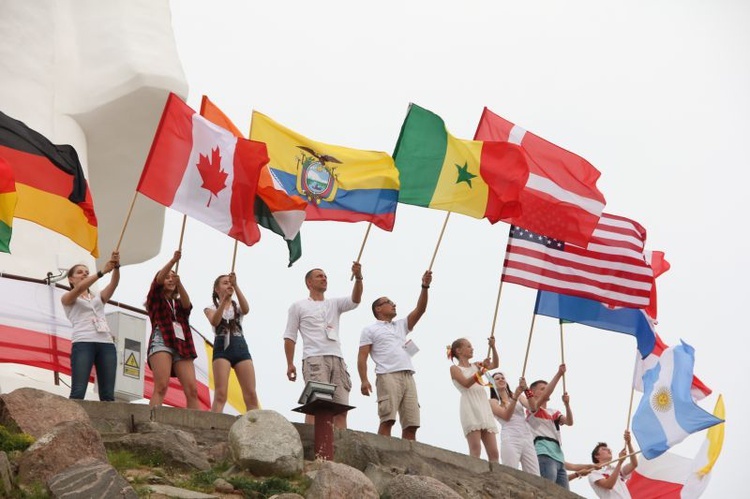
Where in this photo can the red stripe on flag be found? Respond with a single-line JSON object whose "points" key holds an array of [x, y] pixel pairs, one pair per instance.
{"points": [[574, 214], [612, 269], [170, 153]]}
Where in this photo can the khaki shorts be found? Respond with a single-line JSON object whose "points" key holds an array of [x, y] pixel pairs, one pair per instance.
{"points": [[397, 394], [329, 369]]}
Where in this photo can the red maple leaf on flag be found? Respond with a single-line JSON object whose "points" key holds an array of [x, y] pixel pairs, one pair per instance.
{"points": [[214, 178]]}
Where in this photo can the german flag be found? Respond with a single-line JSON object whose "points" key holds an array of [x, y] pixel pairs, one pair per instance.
{"points": [[8, 199], [51, 186]]}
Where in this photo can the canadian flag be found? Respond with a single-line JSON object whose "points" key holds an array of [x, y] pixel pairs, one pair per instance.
{"points": [[204, 171]]}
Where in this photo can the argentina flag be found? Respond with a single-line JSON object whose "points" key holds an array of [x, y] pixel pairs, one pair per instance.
{"points": [[667, 414]]}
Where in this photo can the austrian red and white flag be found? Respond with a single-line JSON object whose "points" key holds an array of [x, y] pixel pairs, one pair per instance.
{"points": [[560, 199], [204, 171]]}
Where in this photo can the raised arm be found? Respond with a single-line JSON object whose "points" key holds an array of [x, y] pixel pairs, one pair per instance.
{"points": [[364, 351], [550, 388], [493, 361], [241, 300], [357, 288], [505, 410], [633, 464], [184, 297], [71, 296], [113, 265], [567, 418], [214, 316], [416, 314], [162, 274]]}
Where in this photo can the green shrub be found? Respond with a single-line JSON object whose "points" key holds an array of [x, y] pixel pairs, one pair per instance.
{"points": [[265, 488], [10, 441]]}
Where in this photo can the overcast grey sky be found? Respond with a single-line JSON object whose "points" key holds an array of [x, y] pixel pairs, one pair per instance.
{"points": [[654, 94]]}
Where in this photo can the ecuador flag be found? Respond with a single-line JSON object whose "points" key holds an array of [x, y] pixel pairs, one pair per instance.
{"points": [[437, 170], [52, 189], [340, 183], [8, 199]]}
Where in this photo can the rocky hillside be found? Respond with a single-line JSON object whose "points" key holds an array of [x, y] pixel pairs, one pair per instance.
{"points": [[100, 450]]}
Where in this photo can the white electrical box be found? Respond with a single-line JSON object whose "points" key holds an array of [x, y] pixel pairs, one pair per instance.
{"points": [[130, 331]]}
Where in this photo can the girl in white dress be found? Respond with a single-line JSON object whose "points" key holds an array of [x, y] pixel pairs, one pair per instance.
{"points": [[516, 440], [476, 416]]}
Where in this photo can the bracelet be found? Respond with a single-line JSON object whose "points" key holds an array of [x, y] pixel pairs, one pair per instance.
{"points": [[357, 278], [99, 274], [425, 287], [117, 266]]}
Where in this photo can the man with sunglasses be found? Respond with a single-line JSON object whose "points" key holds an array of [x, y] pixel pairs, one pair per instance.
{"points": [[385, 341]]}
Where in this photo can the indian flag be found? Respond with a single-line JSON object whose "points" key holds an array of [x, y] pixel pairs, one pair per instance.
{"points": [[477, 178], [8, 199]]}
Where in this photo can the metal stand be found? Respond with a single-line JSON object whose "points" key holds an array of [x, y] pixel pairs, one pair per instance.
{"points": [[323, 411]]}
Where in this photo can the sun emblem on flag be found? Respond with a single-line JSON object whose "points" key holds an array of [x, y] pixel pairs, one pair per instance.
{"points": [[661, 399], [316, 180]]}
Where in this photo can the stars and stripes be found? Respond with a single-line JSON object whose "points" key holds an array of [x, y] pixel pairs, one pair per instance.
{"points": [[612, 269]]}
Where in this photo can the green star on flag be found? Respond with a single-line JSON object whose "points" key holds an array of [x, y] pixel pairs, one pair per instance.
{"points": [[464, 175]]}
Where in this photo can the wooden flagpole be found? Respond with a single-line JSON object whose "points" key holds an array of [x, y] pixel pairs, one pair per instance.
{"points": [[234, 255], [127, 219], [442, 231], [602, 465], [362, 249], [494, 319], [528, 346], [182, 236], [632, 390], [562, 354]]}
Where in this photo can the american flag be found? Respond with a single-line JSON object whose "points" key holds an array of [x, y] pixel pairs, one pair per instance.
{"points": [[611, 269]]}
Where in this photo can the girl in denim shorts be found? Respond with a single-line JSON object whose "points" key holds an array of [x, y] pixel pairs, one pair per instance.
{"points": [[230, 347]]}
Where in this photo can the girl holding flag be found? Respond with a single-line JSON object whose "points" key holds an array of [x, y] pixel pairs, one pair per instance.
{"points": [[93, 344], [230, 347], [476, 416], [170, 348]]}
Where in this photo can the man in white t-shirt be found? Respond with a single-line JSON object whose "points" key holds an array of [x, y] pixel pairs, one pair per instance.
{"points": [[385, 341], [609, 482], [317, 320]]}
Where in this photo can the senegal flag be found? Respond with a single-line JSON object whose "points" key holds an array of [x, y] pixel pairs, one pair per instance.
{"points": [[437, 170], [52, 189], [8, 198]]}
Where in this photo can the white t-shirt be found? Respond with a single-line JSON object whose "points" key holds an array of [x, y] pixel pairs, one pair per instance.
{"points": [[387, 340], [619, 491], [318, 323], [82, 315]]}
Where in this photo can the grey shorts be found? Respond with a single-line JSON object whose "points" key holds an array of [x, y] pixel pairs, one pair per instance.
{"points": [[329, 369], [397, 394], [158, 345]]}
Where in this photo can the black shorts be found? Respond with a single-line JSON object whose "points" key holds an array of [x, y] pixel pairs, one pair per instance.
{"points": [[235, 353]]}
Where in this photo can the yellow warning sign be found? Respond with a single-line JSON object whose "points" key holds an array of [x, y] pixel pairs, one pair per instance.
{"points": [[131, 367]]}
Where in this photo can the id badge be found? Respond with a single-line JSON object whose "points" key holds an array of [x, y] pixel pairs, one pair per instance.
{"points": [[331, 333], [411, 348], [100, 324], [178, 331]]}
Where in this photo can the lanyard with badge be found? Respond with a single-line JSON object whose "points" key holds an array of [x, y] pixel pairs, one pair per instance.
{"points": [[179, 332]]}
